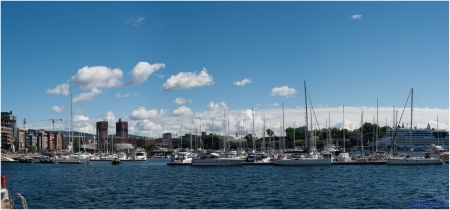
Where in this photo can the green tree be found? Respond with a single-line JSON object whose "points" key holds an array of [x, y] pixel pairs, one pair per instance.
{"points": [[76, 141], [290, 134], [150, 147], [31, 148], [270, 132]]}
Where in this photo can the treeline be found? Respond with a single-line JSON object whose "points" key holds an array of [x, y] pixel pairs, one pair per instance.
{"points": [[215, 142]]}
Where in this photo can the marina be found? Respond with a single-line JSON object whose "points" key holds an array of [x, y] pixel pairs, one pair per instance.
{"points": [[225, 187]]}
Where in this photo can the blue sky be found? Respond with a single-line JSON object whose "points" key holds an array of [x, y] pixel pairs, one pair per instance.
{"points": [[152, 63]]}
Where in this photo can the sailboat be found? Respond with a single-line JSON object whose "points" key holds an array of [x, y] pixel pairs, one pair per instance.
{"points": [[409, 159], [72, 158], [343, 156], [314, 158]]}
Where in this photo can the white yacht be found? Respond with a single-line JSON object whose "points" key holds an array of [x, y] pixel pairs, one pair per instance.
{"points": [[313, 159], [214, 159], [183, 157], [344, 157], [140, 154], [437, 152], [263, 157]]}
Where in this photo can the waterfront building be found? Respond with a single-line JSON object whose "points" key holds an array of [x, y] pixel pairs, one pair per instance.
{"points": [[122, 128], [102, 132], [20, 140], [8, 129]]}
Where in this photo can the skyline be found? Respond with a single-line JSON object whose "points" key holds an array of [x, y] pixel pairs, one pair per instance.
{"points": [[153, 63]]}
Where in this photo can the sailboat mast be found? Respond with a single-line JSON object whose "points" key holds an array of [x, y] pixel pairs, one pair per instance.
{"points": [[376, 137], [343, 126], [282, 132], [306, 119], [412, 109], [294, 134], [362, 131], [71, 122], [264, 136], [253, 133]]}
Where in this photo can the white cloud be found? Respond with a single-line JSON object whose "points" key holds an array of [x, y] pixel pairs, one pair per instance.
{"points": [[180, 101], [146, 125], [182, 111], [243, 82], [62, 89], [275, 104], [283, 91], [241, 119], [220, 106], [87, 96], [57, 109], [141, 72], [356, 16], [186, 80], [135, 21], [97, 77], [110, 117], [141, 113], [118, 95], [159, 76]]}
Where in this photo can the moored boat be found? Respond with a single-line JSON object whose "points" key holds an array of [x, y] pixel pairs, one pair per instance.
{"points": [[140, 154], [214, 159], [26, 159], [116, 161]]}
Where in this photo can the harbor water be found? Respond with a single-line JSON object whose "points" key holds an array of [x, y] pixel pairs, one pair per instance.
{"points": [[152, 184]]}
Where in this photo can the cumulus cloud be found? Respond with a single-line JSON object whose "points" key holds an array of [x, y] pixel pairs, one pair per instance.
{"points": [[57, 109], [110, 117], [141, 72], [275, 104], [141, 113], [243, 82], [215, 106], [186, 80], [146, 125], [118, 95], [62, 89], [180, 101], [182, 111], [97, 77], [87, 96], [283, 91], [356, 16], [135, 21]]}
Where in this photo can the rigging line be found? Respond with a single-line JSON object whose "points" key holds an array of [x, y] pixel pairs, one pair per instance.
{"points": [[310, 102], [397, 123]]}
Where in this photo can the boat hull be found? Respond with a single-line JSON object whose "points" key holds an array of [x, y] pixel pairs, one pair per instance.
{"points": [[72, 161], [303, 162], [218, 162], [413, 161]]}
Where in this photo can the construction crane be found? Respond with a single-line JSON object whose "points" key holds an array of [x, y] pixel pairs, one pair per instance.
{"points": [[53, 122]]}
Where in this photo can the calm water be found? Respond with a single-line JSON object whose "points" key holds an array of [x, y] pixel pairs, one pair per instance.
{"points": [[153, 184]]}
